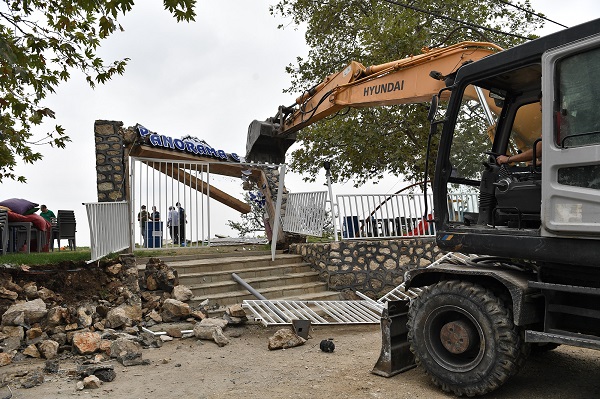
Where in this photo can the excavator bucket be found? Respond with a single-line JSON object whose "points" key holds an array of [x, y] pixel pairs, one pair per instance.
{"points": [[263, 145], [395, 356]]}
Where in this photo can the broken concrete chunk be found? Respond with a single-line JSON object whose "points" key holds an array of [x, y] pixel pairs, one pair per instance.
{"points": [[285, 338]]}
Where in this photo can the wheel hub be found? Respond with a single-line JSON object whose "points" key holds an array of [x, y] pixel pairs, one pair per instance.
{"points": [[457, 336]]}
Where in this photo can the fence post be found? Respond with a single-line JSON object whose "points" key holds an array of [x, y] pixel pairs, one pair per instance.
{"points": [[277, 211], [331, 202]]}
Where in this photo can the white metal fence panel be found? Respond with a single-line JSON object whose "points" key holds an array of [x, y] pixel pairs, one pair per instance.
{"points": [[109, 227], [384, 215], [280, 312], [175, 195], [396, 215], [305, 213]]}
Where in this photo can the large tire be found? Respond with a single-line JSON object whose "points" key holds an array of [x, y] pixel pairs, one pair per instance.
{"points": [[464, 337]]}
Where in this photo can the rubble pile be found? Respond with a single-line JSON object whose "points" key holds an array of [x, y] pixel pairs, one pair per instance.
{"points": [[98, 313]]}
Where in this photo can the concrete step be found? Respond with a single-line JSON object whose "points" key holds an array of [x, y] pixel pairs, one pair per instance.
{"points": [[279, 292], [257, 283], [189, 279], [141, 261], [232, 263]]}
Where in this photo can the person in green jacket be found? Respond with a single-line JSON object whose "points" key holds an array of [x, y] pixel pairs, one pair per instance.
{"points": [[47, 213]]}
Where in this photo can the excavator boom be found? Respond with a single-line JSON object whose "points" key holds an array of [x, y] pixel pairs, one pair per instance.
{"points": [[414, 79]]}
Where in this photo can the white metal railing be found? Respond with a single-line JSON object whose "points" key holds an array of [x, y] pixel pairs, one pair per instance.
{"points": [[109, 227], [176, 197], [305, 213], [396, 215]]}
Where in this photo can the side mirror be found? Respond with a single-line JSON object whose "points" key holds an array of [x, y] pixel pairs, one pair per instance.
{"points": [[433, 108]]}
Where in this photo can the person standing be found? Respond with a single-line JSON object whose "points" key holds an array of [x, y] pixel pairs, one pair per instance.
{"points": [[173, 224], [47, 213], [143, 219], [155, 216], [182, 222]]}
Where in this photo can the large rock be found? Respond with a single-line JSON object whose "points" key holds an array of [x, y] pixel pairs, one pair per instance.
{"points": [[210, 332], [182, 293], [25, 313], [32, 351], [123, 315], [127, 352], [173, 309], [158, 275], [86, 343], [14, 331], [84, 317], [285, 338], [48, 348], [56, 316]]}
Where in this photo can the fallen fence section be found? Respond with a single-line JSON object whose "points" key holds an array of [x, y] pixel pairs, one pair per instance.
{"points": [[367, 311], [318, 312], [400, 292]]}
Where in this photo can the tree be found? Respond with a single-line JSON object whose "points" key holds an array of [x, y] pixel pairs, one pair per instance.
{"points": [[252, 221], [368, 143], [41, 43]]}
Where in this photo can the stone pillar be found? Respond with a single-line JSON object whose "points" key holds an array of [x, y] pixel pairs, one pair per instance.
{"points": [[111, 170]]}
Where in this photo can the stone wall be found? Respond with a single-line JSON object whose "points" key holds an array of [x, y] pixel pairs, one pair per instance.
{"points": [[371, 267], [110, 161]]}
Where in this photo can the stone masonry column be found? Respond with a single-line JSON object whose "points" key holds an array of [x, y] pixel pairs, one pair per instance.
{"points": [[111, 163]]}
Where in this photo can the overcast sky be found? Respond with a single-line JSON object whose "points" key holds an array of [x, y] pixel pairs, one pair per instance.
{"points": [[209, 78]]}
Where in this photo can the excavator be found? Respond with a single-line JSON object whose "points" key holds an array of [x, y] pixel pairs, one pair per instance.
{"points": [[531, 278]]}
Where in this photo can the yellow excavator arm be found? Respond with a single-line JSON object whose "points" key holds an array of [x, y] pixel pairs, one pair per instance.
{"points": [[414, 79]]}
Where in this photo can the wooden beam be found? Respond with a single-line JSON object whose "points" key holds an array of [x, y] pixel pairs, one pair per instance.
{"points": [[218, 167]]}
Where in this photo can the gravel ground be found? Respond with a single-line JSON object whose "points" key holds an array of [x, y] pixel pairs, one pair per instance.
{"points": [[245, 368]]}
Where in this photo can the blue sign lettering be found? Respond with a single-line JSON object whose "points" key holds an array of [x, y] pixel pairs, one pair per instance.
{"points": [[188, 144]]}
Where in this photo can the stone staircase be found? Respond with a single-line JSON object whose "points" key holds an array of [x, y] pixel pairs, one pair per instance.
{"points": [[287, 277]]}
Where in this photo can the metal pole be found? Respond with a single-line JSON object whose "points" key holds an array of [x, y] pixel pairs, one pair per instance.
{"points": [[332, 205], [258, 295], [277, 211]]}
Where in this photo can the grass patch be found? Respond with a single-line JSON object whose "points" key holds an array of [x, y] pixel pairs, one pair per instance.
{"points": [[84, 254], [45, 258]]}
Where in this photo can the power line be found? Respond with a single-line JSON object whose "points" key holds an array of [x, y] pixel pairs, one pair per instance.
{"points": [[472, 25], [530, 12]]}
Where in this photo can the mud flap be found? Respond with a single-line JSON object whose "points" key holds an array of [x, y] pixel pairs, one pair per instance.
{"points": [[395, 356]]}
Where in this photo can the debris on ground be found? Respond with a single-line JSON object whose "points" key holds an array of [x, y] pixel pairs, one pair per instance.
{"points": [[95, 314], [285, 338]]}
